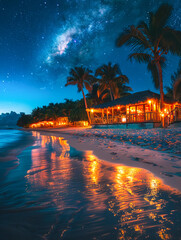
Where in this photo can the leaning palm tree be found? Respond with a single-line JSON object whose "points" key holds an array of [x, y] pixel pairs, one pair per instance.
{"points": [[111, 76], [81, 77], [151, 42]]}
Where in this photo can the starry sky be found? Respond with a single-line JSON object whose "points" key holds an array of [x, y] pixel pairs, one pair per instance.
{"points": [[40, 40]]}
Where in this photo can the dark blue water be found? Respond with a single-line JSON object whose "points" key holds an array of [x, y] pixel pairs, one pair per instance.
{"points": [[56, 192], [8, 136]]}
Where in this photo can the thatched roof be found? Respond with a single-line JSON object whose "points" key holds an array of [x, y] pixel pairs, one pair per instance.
{"points": [[133, 99]]}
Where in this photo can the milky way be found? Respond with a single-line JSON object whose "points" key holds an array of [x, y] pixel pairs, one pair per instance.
{"points": [[42, 39]]}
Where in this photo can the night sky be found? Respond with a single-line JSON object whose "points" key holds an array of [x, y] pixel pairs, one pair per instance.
{"points": [[40, 40]]}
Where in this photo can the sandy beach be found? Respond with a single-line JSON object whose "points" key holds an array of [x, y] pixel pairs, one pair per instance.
{"points": [[163, 162]]}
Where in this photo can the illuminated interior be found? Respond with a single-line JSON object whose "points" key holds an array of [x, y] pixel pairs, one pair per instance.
{"points": [[59, 122], [148, 111]]}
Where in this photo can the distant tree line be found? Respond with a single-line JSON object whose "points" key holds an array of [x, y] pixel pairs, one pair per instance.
{"points": [[9, 119], [74, 110]]}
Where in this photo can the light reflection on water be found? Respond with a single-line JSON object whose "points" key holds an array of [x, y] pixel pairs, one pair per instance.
{"points": [[79, 197]]}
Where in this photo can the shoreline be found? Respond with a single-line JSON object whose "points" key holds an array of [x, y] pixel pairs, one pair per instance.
{"points": [[163, 165]]}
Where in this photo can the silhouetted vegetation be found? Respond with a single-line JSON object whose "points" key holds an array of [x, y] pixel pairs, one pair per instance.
{"points": [[151, 42], [9, 119], [74, 110], [112, 81], [24, 120]]}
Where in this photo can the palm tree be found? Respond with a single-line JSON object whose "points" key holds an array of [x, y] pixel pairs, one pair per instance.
{"points": [[81, 77], [111, 77], [151, 43], [120, 89], [97, 96]]}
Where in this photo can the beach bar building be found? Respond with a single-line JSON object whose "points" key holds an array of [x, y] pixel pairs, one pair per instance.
{"points": [[139, 107], [59, 122]]}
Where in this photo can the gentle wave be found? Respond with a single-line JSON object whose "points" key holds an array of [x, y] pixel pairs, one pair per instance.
{"points": [[8, 136]]}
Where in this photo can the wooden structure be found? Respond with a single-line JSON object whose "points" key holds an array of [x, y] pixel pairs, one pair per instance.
{"points": [[59, 122], [136, 108]]}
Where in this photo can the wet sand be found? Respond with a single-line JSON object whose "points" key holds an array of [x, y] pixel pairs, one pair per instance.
{"points": [[166, 166]]}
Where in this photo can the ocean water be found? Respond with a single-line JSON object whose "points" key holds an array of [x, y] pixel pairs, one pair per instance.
{"points": [[57, 192], [8, 136]]}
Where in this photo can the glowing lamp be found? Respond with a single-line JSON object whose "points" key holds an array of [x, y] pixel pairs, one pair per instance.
{"points": [[118, 107], [123, 119], [149, 101], [162, 114], [92, 110], [154, 107]]}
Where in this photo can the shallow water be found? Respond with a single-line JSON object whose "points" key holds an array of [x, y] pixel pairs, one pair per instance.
{"points": [[8, 136], [56, 192]]}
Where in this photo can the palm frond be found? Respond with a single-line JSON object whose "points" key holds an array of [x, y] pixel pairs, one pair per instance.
{"points": [[140, 57], [144, 28], [159, 20], [124, 37], [162, 15], [104, 95], [72, 82], [88, 86], [135, 38], [121, 79], [171, 41]]}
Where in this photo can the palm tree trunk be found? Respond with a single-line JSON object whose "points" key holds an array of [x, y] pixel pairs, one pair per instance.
{"points": [[161, 85], [85, 102], [111, 95], [111, 92], [161, 91]]}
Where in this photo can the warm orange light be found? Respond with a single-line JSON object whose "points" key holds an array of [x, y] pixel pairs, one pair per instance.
{"points": [[41, 124], [162, 114], [149, 101], [154, 106], [119, 107], [92, 110], [85, 124], [123, 119]]}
